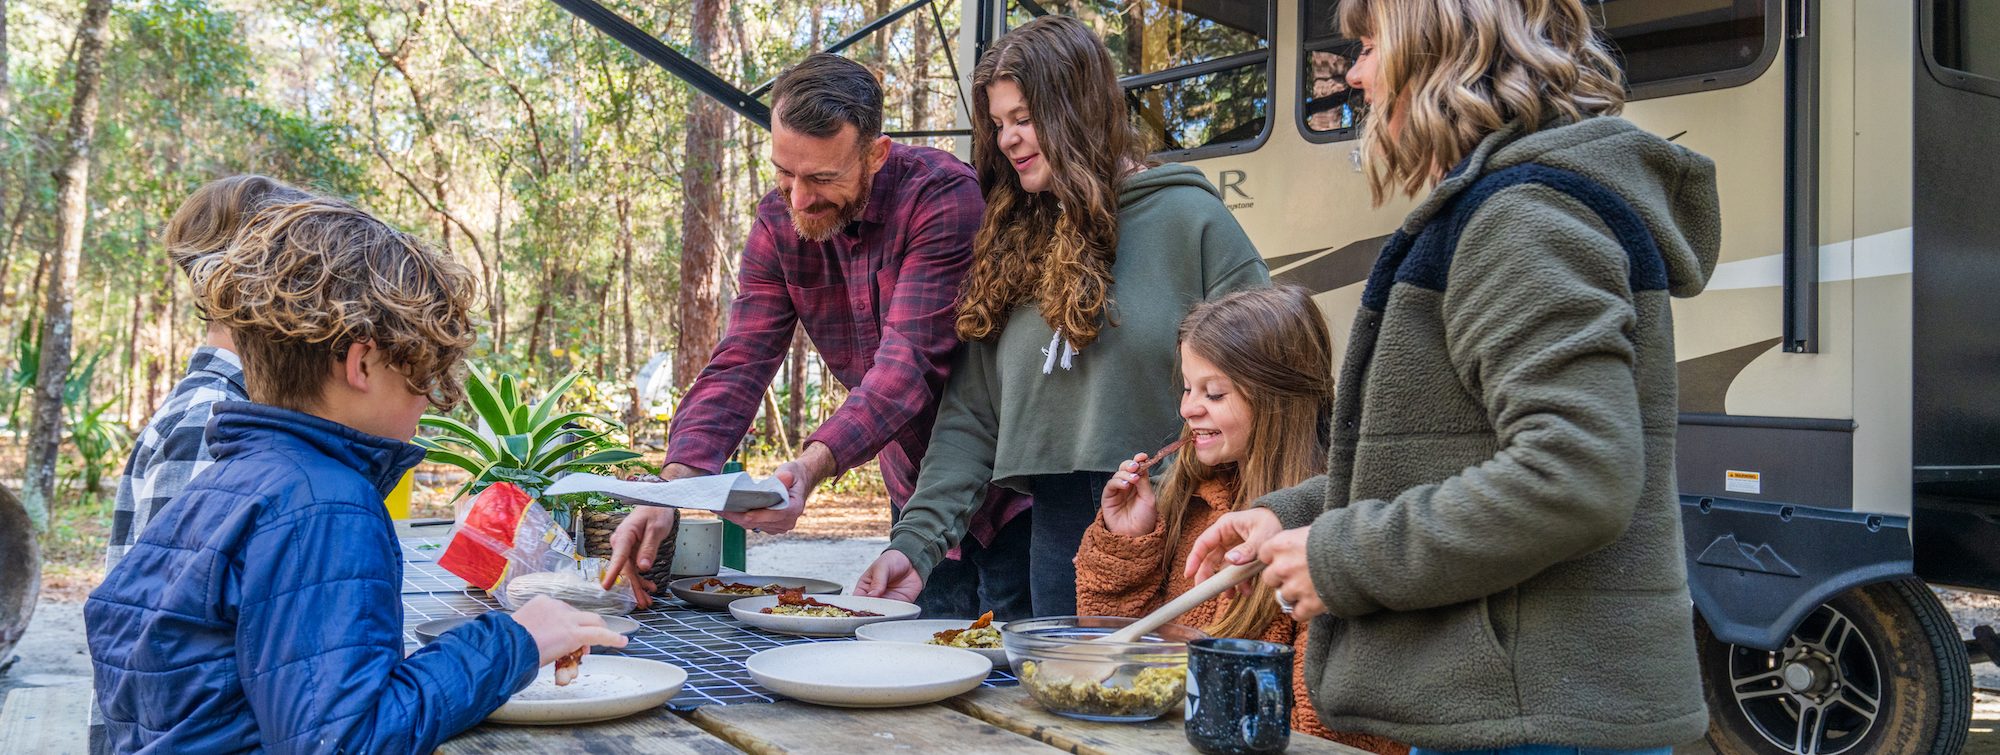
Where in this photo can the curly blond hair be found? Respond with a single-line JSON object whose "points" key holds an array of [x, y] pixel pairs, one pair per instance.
{"points": [[1453, 71], [1056, 247], [304, 281], [212, 215]]}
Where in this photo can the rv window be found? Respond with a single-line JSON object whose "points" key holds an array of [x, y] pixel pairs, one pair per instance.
{"points": [[1329, 110], [1196, 72], [1966, 36], [1693, 43]]}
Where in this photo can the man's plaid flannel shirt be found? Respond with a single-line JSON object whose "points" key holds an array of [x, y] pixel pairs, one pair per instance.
{"points": [[170, 451], [879, 301]]}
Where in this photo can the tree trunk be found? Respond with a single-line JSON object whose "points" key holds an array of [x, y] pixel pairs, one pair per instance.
{"points": [[919, 85], [629, 369], [12, 241], [496, 283], [72, 184], [127, 384], [699, 300], [795, 401], [6, 111], [5, 92], [878, 58]]}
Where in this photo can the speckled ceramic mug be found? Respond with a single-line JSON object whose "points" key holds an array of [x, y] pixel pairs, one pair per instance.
{"points": [[1239, 696]]}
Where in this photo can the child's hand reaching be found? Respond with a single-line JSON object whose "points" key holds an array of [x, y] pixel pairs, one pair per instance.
{"points": [[560, 630], [1128, 500]]}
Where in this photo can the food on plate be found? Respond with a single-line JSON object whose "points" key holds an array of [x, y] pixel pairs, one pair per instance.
{"points": [[793, 602], [737, 588], [980, 634], [568, 666], [1153, 689]]}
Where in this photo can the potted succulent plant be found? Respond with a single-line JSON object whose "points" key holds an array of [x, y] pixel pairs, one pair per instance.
{"points": [[531, 443]]}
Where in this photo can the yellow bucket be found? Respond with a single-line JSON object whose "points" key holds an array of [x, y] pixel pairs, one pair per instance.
{"points": [[399, 499]]}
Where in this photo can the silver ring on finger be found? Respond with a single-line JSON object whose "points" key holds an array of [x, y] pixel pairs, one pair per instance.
{"points": [[1283, 604]]}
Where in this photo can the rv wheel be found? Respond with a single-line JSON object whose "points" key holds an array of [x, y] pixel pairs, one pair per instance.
{"points": [[1877, 669]]}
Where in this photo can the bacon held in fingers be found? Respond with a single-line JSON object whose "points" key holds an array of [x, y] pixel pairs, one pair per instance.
{"points": [[568, 666]]}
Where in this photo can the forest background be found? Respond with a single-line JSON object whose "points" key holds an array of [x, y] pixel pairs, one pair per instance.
{"points": [[601, 201]]}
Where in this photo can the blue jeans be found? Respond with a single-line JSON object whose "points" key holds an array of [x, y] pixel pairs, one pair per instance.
{"points": [[1065, 505], [1544, 750]]}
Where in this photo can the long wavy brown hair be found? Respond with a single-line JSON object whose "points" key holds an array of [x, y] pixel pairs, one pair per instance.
{"points": [[1454, 71], [1055, 247], [1273, 345]]}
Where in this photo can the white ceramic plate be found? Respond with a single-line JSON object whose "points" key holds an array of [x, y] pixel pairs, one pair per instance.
{"points": [[684, 589], [750, 611], [920, 631], [868, 674], [428, 631], [607, 687]]}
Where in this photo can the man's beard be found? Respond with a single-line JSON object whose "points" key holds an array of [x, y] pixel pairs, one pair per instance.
{"points": [[822, 228]]}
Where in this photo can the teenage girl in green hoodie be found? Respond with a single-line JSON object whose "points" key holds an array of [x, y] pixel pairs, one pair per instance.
{"points": [[1082, 269]]}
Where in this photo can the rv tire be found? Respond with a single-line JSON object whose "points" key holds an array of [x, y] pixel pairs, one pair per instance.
{"points": [[1878, 669]]}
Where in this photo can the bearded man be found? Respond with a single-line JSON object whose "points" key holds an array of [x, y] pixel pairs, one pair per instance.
{"points": [[863, 244]]}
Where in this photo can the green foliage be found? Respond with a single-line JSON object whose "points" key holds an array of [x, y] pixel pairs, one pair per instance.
{"points": [[98, 441], [531, 441], [21, 380], [506, 132]]}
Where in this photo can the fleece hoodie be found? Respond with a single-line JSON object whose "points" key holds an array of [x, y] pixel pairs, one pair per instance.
{"points": [[1497, 539], [1011, 410]]}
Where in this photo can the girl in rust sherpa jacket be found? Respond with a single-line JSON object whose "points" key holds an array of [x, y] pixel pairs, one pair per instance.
{"points": [[1256, 392]]}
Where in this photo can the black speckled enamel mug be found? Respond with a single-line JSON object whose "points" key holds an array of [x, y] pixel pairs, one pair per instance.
{"points": [[1239, 696]]}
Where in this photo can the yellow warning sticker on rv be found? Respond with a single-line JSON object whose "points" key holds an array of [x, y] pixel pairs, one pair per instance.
{"points": [[1736, 481]]}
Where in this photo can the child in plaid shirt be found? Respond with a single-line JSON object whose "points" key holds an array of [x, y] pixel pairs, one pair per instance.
{"points": [[170, 451]]}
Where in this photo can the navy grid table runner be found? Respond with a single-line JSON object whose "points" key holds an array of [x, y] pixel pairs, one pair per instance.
{"points": [[711, 646]]}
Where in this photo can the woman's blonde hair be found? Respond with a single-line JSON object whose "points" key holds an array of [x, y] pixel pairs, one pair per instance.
{"points": [[1454, 71], [1055, 247], [306, 280], [1273, 345]]}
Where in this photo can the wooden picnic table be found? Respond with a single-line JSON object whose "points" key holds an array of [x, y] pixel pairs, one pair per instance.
{"points": [[985, 720], [996, 719]]}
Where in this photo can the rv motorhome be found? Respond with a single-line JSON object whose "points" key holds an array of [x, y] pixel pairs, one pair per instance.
{"points": [[1840, 433]]}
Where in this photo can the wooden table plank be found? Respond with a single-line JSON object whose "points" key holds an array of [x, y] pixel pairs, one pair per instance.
{"points": [[798, 727], [1011, 708], [655, 731], [46, 720]]}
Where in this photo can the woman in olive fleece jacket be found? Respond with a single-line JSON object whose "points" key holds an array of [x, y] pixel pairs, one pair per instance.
{"points": [[1081, 272], [1495, 553]]}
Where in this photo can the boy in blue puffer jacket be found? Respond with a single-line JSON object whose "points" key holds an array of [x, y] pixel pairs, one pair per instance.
{"points": [[261, 609]]}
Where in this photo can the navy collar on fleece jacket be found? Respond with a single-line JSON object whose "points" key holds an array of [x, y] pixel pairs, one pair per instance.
{"points": [[241, 428]]}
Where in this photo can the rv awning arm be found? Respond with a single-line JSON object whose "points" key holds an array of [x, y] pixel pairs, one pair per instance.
{"points": [[679, 65]]}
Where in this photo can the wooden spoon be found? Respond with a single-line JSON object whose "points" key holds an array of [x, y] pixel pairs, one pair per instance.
{"points": [[1107, 645]]}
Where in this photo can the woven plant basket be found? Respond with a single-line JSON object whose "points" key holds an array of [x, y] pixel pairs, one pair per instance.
{"points": [[597, 529]]}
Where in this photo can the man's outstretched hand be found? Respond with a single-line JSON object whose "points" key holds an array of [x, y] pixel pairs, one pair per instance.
{"points": [[638, 538], [799, 476], [892, 576]]}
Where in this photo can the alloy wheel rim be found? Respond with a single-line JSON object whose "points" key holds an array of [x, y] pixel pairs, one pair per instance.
{"points": [[1818, 695]]}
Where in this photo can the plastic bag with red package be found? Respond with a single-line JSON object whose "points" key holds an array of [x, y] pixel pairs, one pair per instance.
{"points": [[511, 547]]}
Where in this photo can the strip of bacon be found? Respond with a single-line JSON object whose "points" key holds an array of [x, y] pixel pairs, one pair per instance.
{"points": [[945, 637], [797, 597], [568, 666]]}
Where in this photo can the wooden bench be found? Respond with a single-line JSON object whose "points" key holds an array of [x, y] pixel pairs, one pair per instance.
{"points": [[46, 720]]}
